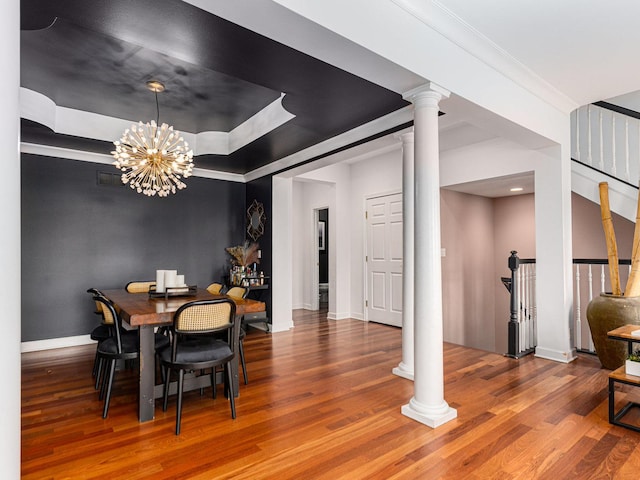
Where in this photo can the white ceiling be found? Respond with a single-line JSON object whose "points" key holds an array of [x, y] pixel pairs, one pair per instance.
{"points": [[586, 49]]}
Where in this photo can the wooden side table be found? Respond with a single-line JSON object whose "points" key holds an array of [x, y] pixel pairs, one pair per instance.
{"points": [[619, 375]]}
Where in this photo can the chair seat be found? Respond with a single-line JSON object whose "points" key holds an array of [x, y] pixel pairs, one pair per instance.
{"points": [[195, 352], [162, 341], [101, 332], [109, 346]]}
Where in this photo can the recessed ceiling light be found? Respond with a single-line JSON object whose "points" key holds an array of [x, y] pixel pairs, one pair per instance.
{"points": [[516, 189]]}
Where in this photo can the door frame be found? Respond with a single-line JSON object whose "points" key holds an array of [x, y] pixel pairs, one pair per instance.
{"points": [[365, 239], [315, 263]]}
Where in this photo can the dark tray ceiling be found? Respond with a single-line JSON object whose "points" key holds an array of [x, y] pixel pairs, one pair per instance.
{"points": [[96, 56]]}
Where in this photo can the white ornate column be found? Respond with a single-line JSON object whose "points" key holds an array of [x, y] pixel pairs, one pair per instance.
{"points": [[405, 367], [428, 405]]}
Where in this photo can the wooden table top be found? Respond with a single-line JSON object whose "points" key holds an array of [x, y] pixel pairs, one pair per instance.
{"points": [[624, 333], [139, 309]]}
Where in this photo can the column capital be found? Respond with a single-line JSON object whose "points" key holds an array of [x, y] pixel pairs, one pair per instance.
{"points": [[427, 91], [404, 136]]}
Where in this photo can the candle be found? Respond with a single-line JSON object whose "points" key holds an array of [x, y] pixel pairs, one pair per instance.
{"points": [[170, 278], [160, 281], [180, 281]]}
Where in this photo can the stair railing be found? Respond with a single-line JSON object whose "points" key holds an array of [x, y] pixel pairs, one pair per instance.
{"points": [[607, 138], [591, 277]]}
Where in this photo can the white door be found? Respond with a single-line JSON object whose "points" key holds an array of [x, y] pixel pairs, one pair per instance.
{"points": [[384, 259]]}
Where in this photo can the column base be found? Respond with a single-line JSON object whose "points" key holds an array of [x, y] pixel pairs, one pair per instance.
{"points": [[403, 370], [430, 416]]}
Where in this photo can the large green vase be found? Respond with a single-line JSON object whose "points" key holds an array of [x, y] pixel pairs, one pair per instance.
{"points": [[608, 312]]}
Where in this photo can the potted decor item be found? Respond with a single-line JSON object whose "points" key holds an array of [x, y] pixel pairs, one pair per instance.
{"points": [[616, 308], [242, 258], [632, 364]]}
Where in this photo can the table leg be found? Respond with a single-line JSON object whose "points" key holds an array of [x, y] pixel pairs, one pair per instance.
{"points": [[235, 361], [146, 402]]}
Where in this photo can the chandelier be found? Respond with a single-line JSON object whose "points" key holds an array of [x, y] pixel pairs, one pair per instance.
{"points": [[154, 159]]}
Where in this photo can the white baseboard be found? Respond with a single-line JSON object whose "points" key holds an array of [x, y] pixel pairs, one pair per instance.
{"points": [[51, 343], [556, 355]]}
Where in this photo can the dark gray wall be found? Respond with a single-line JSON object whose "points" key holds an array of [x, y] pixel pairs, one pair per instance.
{"points": [[77, 234], [261, 190]]}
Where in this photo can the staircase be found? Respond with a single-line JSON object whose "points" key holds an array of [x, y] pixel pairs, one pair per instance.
{"points": [[606, 148]]}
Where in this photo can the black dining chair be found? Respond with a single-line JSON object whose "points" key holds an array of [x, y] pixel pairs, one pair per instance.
{"points": [[216, 288], [240, 292], [122, 345], [119, 346], [139, 286], [99, 333], [197, 345]]}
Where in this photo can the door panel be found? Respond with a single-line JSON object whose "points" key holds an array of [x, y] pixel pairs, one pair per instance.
{"points": [[384, 259]]}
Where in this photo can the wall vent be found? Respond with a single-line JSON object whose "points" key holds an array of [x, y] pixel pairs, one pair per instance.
{"points": [[109, 179]]}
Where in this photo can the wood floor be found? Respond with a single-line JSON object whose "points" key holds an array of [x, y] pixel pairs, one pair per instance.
{"points": [[322, 403]]}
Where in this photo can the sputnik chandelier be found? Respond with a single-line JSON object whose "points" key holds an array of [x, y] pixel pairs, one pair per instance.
{"points": [[154, 159]]}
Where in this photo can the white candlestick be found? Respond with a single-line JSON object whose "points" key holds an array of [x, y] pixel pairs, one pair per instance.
{"points": [[160, 281], [170, 278]]}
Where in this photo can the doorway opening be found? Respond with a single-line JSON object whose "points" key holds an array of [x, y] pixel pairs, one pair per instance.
{"points": [[323, 258]]}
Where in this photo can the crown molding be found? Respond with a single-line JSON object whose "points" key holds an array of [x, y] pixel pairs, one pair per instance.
{"points": [[69, 154], [41, 109], [441, 19]]}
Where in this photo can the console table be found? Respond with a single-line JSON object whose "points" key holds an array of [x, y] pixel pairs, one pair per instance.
{"points": [[619, 375]]}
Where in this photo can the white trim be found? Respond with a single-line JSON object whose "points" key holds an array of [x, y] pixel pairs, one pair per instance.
{"points": [[378, 125], [437, 16], [41, 109], [556, 355], [66, 153], [51, 343]]}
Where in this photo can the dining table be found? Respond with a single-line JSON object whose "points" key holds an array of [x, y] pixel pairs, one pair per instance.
{"points": [[146, 313]]}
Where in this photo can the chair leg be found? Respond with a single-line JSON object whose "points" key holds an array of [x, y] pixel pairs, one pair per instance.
{"points": [[213, 382], [179, 407], [95, 364], [99, 372], [106, 366], [107, 400], [244, 365], [231, 395]]}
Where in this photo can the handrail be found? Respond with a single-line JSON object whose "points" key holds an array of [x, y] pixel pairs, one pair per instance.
{"points": [[522, 325]]}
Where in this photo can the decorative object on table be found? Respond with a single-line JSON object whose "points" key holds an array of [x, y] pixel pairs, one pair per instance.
{"points": [[170, 284], [255, 220], [612, 310], [245, 259], [154, 159], [632, 364], [244, 255]]}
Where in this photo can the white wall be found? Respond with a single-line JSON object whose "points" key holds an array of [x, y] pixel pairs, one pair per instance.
{"points": [[374, 176], [468, 268], [10, 257], [337, 178], [307, 197]]}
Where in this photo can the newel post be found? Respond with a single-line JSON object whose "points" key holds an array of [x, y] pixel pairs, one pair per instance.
{"points": [[514, 326]]}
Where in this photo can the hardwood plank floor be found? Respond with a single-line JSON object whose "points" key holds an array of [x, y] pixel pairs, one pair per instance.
{"points": [[322, 403]]}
